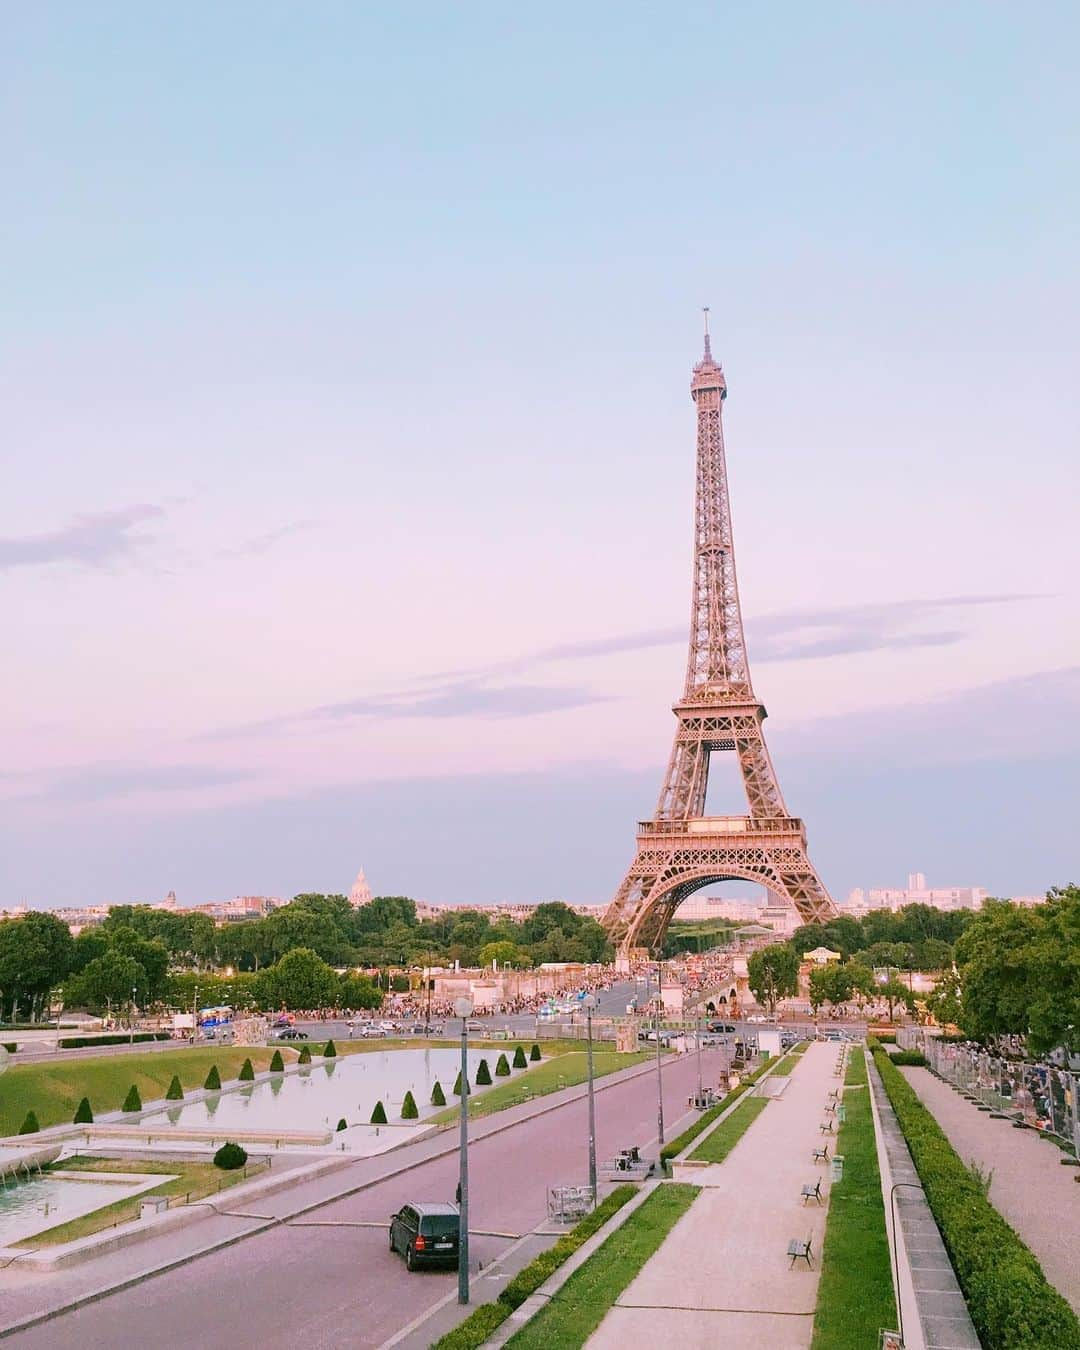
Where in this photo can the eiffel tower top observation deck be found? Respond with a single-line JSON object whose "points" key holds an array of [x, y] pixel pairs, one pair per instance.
{"points": [[682, 849]]}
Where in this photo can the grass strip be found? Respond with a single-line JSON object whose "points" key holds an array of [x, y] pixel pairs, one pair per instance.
{"points": [[727, 1134], [681, 1141], [551, 1075], [1011, 1303], [479, 1325], [52, 1090], [575, 1311], [855, 1295]]}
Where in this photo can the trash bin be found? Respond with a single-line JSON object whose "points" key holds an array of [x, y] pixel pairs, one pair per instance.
{"points": [[150, 1208], [836, 1167], [840, 1114]]}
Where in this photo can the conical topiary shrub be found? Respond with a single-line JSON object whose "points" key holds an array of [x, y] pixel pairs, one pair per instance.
{"points": [[534, 1053], [502, 1068], [457, 1084], [378, 1116], [483, 1074], [176, 1091], [277, 1064], [30, 1124], [409, 1109], [343, 1124], [230, 1156], [83, 1114], [305, 1055], [519, 1057], [438, 1096], [330, 1052], [213, 1080], [247, 1072], [132, 1102]]}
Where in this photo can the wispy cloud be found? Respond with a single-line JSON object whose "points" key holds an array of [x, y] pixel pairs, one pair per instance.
{"points": [[91, 540], [109, 779], [465, 699], [263, 543]]}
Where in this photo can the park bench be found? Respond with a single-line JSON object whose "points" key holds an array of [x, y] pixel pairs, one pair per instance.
{"points": [[821, 1154], [627, 1165], [798, 1249], [826, 1127], [813, 1192], [830, 1108]]}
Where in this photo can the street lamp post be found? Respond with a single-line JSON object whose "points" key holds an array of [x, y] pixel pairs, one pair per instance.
{"points": [[131, 1040], [697, 1041], [659, 1080], [590, 1004], [463, 1008]]}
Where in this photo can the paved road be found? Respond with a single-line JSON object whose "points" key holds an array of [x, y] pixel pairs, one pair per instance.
{"points": [[335, 1286]]}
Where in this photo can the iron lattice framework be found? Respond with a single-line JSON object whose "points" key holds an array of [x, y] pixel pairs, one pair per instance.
{"points": [[682, 849]]}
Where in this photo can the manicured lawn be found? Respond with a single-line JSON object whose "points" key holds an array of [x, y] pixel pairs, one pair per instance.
{"points": [[579, 1307], [855, 1296], [192, 1179], [562, 1070], [53, 1090], [727, 1134]]}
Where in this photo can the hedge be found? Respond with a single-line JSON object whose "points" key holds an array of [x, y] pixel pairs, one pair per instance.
{"points": [[30, 1124], [305, 1055], [409, 1110], [80, 1042], [1010, 1301], [132, 1102], [213, 1080], [176, 1090], [247, 1072], [502, 1068], [83, 1114], [520, 1062], [378, 1115], [483, 1074], [277, 1064], [476, 1328], [913, 1059], [534, 1053], [329, 1050], [438, 1096]]}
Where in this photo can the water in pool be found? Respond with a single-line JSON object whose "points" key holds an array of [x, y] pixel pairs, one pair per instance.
{"points": [[30, 1207]]}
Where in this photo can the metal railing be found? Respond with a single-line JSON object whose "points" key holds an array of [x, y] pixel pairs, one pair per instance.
{"points": [[743, 825], [1035, 1094]]}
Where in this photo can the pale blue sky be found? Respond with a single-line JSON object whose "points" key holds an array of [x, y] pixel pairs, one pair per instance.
{"points": [[343, 347]]}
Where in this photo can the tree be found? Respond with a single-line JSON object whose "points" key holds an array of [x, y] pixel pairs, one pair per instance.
{"points": [[132, 1102], [342, 1124], [505, 953], [502, 1067], [36, 954], [300, 979], [304, 1056], [83, 1114], [534, 1053], [176, 1091], [358, 991], [893, 992], [277, 1064], [30, 1124], [946, 1000], [483, 1074], [247, 1072], [458, 1085], [520, 1062], [409, 1110], [329, 1050], [438, 1096], [105, 981], [230, 1156], [213, 1078], [829, 984], [773, 973], [378, 1116]]}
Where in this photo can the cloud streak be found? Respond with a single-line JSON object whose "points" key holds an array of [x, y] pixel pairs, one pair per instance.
{"points": [[263, 543], [91, 540], [108, 779]]}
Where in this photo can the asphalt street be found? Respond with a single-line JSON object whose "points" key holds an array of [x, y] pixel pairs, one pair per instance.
{"points": [[325, 1281]]}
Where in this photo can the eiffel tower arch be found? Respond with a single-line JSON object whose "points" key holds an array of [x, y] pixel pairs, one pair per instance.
{"points": [[682, 849]]}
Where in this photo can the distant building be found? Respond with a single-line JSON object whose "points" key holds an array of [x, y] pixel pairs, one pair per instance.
{"points": [[860, 902], [360, 894], [821, 956]]}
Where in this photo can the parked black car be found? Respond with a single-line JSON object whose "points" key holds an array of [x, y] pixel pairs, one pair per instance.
{"points": [[426, 1233], [291, 1034]]}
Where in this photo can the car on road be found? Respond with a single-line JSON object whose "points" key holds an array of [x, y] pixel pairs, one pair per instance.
{"points": [[366, 1030], [721, 1028], [426, 1234], [388, 1027], [291, 1034]]}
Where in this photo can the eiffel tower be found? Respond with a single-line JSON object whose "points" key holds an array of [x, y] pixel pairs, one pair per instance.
{"points": [[682, 849]]}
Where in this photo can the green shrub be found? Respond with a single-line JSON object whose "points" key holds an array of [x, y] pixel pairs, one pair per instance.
{"points": [[277, 1064], [329, 1050], [247, 1072], [438, 1096], [483, 1074], [213, 1080], [912, 1058], [519, 1057], [132, 1102], [176, 1091], [30, 1124], [476, 1328], [342, 1124], [120, 1038], [1010, 1302], [229, 1157], [534, 1053], [886, 1038], [378, 1116], [408, 1107], [83, 1114], [502, 1068], [305, 1055], [457, 1084]]}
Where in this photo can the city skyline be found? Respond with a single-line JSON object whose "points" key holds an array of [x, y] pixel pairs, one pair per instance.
{"points": [[353, 474]]}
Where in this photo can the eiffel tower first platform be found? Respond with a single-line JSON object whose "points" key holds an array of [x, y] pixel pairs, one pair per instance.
{"points": [[682, 849]]}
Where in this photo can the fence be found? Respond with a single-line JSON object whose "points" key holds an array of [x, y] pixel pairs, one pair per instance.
{"points": [[1039, 1095]]}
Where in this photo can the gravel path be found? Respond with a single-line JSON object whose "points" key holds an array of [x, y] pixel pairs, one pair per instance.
{"points": [[1030, 1187]]}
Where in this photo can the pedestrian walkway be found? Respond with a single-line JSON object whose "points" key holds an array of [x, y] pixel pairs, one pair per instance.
{"points": [[723, 1276], [1030, 1187]]}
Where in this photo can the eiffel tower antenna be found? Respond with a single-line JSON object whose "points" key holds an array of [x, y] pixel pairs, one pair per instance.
{"points": [[682, 849]]}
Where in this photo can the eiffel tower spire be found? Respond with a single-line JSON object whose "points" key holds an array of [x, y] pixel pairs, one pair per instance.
{"points": [[682, 849]]}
